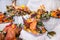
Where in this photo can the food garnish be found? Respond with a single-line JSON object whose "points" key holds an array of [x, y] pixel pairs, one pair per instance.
{"points": [[51, 33]]}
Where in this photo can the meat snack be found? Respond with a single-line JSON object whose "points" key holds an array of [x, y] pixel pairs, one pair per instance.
{"points": [[33, 26], [55, 13], [10, 32], [4, 18]]}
